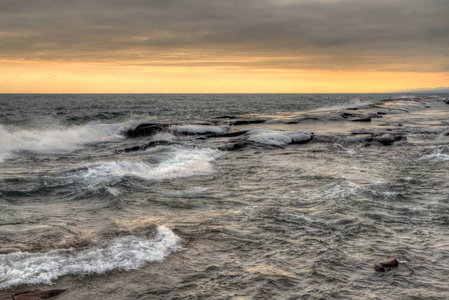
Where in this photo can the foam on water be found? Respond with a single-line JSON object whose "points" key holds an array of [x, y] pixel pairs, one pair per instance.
{"points": [[125, 253], [113, 191], [180, 163], [199, 129], [59, 138], [277, 137], [405, 97], [436, 155], [342, 190], [296, 216]]}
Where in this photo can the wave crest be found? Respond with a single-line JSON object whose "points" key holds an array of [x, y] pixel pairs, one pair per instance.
{"points": [[125, 253]]}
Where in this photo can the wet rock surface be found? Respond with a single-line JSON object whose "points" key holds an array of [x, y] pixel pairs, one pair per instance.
{"points": [[390, 122], [147, 129], [386, 264]]}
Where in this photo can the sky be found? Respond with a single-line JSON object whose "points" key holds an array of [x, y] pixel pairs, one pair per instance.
{"points": [[223, 46]]}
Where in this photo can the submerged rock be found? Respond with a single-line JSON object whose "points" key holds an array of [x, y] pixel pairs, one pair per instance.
{"points": [[36, 294], [389, 139], [235, 146], [386, 264]]}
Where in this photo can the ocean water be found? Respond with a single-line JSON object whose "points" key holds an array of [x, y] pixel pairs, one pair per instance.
{"points": [[188, 219]]}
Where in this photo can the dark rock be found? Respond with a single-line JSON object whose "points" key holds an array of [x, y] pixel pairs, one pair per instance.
{"points": [[146, 129], [359, 140], [230, 134], [226, 117], [36, 294], [148, 145], [362, 119], [246, 122], [235, 146], [386, 264], [356, 117], [374, 115], [348, 115], [361, 132], [388, 140], [212, 268]]}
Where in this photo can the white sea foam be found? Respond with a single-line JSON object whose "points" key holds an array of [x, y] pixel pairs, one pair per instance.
{"points": [[165, 136], [405, 97], [113, 191], [355, 100], [125, 253], [297, 216], [342, 190], [180, 163], [351, 152], [278, 138], [59, 139], [437, 155], [199, 129]]}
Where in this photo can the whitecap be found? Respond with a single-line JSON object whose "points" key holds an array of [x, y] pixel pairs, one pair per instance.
{"points": [[60, 138], [124, 253], [297, 216], [113, 191], [405, 97], [437, 155], [200, 129], [342, 190], [177, 164]]}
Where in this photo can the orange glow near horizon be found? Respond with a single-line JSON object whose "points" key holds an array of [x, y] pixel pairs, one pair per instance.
{"points": [[63, 77]]}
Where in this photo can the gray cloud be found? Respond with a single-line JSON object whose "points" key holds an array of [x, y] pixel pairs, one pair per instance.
{"points": [[377, 34]]}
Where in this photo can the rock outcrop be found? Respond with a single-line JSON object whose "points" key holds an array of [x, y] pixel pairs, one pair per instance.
{"points": [[386, 264]]}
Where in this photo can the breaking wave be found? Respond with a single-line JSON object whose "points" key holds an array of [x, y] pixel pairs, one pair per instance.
{"points": [[199, 129], [437, 155], [59, 139], [178, 164], [125, 253]]}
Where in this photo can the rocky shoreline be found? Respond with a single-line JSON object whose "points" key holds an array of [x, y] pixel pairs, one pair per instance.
{"points": [[385, 123]]}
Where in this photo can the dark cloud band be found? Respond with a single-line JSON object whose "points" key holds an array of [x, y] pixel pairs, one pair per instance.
{"points": [[321, 34]]}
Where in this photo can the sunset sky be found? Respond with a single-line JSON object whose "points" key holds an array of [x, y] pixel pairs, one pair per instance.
{"points": [[223, 46]]}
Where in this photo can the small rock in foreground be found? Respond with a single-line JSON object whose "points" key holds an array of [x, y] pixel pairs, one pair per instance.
{"points": [[386, 264]]}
